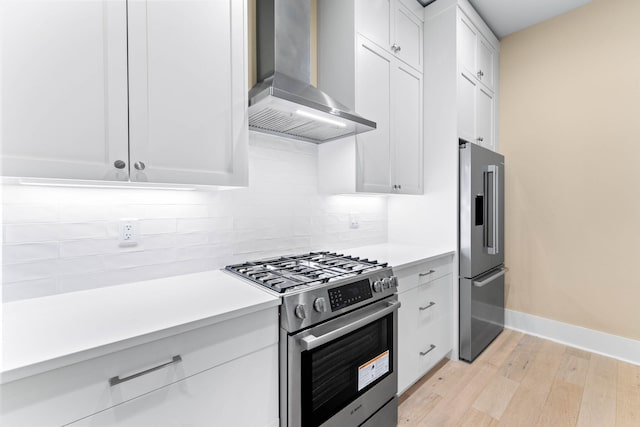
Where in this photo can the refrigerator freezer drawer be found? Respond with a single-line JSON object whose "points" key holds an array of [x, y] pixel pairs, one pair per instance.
{"points": [[481, 312]]}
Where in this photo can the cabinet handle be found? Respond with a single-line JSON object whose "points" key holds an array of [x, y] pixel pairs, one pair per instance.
{"points": [[431, 304], [139, 166], [479, 139], [395, 47], [424, 353], [117, 380], [426, 273], [119, 164], [480, 74]]}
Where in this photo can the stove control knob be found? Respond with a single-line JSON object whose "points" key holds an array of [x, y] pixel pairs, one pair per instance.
{"points": [[393, 281], [300, 312], [320, 305], [386, 283], [377, 286]]}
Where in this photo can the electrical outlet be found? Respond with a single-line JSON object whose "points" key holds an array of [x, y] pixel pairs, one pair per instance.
{"points": [[353, 220], [128, 232]]}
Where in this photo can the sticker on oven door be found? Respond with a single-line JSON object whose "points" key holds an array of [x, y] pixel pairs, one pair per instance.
{"points": [[373, 369]]}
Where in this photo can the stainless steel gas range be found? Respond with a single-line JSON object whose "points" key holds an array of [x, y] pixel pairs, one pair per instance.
{"points": [[338, 338]]}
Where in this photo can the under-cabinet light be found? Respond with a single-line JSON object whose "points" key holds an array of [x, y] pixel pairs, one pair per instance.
{"points": [[320, 118], [84, 185]]}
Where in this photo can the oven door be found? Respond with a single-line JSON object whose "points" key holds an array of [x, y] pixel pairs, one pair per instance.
{"points": [[341, 372]]}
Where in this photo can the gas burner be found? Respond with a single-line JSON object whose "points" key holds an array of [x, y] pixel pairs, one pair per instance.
{"points": [[296, 272]]}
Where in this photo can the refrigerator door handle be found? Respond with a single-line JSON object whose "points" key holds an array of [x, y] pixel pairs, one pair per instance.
{"points": [[481, 283], [493, 212]]}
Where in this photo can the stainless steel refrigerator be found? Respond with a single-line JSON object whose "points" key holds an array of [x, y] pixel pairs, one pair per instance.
{"points": [[481, 248]]}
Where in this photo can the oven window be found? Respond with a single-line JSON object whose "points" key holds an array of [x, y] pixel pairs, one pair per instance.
{"points": [[332, 375]]}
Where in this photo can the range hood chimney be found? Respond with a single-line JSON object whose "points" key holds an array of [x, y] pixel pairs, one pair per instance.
{"points": [[284, 102]]}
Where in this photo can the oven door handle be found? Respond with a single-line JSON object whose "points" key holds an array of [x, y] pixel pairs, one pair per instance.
{"points": [[310, 342]]}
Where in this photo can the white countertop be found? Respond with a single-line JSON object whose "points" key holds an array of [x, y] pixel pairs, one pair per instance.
{"points": [[46, 333], [397, 255]]}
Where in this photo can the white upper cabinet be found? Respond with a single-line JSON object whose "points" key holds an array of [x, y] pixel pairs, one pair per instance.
{"points": [[477, 60], [476, 54], [64, 83], [145, 91], [395, 26], [474, 62], [376, 83], [187, 91]]}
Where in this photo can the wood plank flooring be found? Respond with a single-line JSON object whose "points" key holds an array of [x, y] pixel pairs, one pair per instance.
{"points": [[521, 380]]}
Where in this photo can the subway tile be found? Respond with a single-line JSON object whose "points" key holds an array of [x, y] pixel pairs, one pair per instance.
{"points": [[139, 258], [87, 230], [84, 247], [29, 289], [81, 264], [16, 214], [204, 224], [12, 254], [76, 213], [24, 233], [157, 226], [29, 271], [67, 239]]}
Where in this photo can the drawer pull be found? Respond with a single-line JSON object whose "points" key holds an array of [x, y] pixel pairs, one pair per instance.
{"points": [[424, 353], [431, 304], [426, 273], [117, 380]]}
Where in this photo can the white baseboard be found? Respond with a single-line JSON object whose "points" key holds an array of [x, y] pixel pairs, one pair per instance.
{"points": [[609, 345]]}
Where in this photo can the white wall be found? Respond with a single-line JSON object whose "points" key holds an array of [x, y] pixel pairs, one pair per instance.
{"points": [[58, 240]]}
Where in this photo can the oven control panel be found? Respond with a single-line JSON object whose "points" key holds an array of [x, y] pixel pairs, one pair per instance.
{"points": [[350, 294]]}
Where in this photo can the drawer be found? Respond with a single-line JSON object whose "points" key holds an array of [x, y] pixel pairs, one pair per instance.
{"points": [[434, 300], [424, 272], [437, 343], [67, 394], [206, 399]]}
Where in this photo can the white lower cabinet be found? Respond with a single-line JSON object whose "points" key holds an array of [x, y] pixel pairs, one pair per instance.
{"points": [[220, 367], [216, 397], [425, 318]]}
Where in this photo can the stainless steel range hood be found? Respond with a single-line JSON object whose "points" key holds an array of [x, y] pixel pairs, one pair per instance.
{"points": [[284, 102]]}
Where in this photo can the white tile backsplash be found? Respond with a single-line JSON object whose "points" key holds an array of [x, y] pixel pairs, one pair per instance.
{"points": [[59, 239]]}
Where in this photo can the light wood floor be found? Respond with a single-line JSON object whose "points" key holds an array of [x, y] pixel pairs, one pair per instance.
{"points": [[521, 380]]}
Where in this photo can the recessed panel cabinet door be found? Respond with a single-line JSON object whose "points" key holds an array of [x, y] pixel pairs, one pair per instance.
{"points": [[467, 47], [467, 108], [187, 91], [409, 35], [407, 130], [374, 21], [64, 83], [373, 100], [484, 118], [486, 59]]}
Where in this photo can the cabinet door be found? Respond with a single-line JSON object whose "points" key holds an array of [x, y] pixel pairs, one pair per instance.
{"points": [[486, 54], [188, 91], [407, 141], [374, 21], [467, 107], [467, 47], [64, 82], [243, 392], [408, 37], [373, 100], [484, 118]]}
